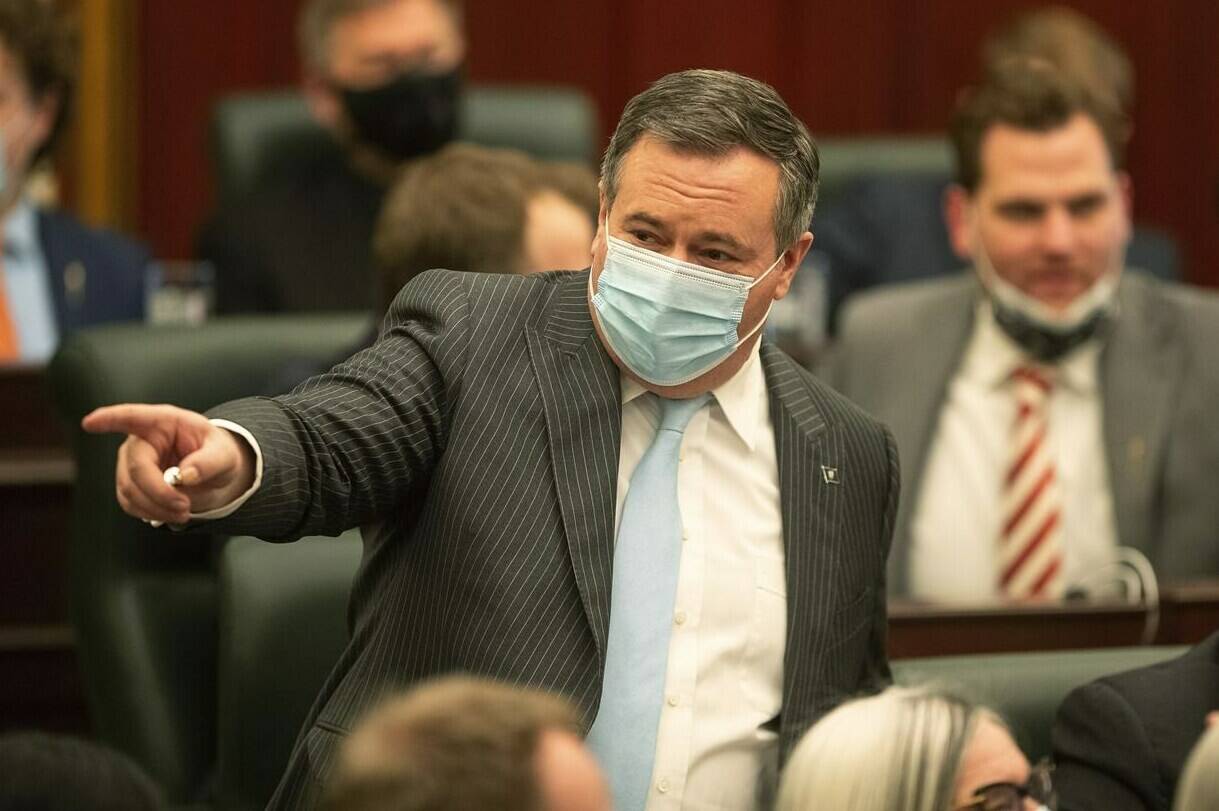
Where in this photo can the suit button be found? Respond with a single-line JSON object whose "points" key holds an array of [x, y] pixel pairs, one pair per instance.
{"points": [[672, 701], [680, 618], [663, 785]]}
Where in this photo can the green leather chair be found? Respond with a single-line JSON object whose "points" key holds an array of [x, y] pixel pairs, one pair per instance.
{"points": [[283, 610], [1026, 688], [260, 134], [846, 160], [144, 602]]}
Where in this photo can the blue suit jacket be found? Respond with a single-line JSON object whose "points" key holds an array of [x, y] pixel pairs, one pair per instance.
{"points": [[96, 276]]}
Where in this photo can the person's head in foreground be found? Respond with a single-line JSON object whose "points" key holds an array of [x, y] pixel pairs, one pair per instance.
{"points": [[707, 189], [485, 210], [1042, 203], [38, 57], [466, 744], [914, 749], [1199, 786], [40, 772]]}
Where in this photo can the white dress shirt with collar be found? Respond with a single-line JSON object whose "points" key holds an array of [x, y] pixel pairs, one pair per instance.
{"points": [[724, 680], [956, 523], [27, 285], [725, 664]]}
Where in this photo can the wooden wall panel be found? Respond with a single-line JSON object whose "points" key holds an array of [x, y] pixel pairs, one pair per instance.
{"points": [[844, 66]]}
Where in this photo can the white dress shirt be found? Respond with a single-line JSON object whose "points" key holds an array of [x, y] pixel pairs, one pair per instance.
{"points": [[27, 285], [956, 523], [725, 665]]}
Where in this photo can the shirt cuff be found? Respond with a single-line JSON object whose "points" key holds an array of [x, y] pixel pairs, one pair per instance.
{"points": [[232, 506]]}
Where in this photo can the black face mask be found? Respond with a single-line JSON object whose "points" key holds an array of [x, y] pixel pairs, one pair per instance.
{"points": [[1043, 344], [412, 115]]}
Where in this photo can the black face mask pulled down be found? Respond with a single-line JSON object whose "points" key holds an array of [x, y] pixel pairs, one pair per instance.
{"points": [[1045, 344], [412, 115]]}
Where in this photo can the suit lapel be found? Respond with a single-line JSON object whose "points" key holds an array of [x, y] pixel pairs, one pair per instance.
{"points": [[917, 395], [582, 402], [56, 261], [805, 506], [1141, 368]]}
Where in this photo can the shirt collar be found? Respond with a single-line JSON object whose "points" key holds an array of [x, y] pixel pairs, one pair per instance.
{"points": [[739, 397], [992, 356], [20, 231]]}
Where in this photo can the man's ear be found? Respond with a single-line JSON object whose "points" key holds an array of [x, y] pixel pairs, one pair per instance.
{"points": [[959, 214], [46, 111], [1125, 189], [790, 263]]}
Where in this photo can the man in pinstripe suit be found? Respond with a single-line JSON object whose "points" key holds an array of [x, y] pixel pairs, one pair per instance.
{"points": [[488, 439]]}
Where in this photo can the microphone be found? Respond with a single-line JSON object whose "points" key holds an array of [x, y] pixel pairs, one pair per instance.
{"points": [[1129, 577]]}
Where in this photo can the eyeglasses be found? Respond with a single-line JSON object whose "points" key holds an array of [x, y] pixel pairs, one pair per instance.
{"points": [[1011, 797]]}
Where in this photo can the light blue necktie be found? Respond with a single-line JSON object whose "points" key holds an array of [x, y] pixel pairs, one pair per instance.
{"points": [[646, 560]]}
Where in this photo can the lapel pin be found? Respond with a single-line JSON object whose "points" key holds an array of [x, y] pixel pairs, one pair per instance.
{"points": [[830, 475]]}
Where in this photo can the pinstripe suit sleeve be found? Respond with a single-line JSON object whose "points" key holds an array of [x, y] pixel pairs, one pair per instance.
{"points": [[347, 445]]}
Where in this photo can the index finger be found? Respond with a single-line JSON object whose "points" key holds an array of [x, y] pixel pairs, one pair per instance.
{"points": [[129, 418]]}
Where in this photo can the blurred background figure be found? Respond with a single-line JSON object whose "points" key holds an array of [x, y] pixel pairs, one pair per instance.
{"points": [[55, 274], [1022, 395], [1121, 742], [464, 744], [41, 772], [485, 210], [478, 209], [383, 77], [1199, 789], [885, 229], [915, 749]]}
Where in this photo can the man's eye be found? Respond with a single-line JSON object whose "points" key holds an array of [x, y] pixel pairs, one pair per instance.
{"points": [[1085, 207], [643, 236], [716, 256]]}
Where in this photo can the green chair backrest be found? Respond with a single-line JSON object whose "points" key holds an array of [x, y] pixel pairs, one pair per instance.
{"points": [[1026, 688], [261, 134], [144, 600], [846, 160], [283, 610]]}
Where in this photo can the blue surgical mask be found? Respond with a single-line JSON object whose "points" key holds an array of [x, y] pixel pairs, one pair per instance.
{"points": [[669, 321]]}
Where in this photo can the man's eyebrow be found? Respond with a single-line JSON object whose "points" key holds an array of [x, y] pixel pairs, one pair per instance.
{"points": [[646, 219], [726, 240]]}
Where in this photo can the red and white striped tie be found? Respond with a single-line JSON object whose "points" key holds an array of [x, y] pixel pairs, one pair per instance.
{"points": [[1030, 543]]}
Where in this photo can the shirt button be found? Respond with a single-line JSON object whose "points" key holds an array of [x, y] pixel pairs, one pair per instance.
{"points": [[672, 701], [680, 618], [663, 785]]}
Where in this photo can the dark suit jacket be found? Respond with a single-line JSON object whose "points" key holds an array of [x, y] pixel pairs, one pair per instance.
{"points": [[899, 348], [486, 424], [96, 276], [1120, 742], [301, 243]]}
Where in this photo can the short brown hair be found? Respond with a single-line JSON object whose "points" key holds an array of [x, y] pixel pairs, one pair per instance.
{"points": [[1032, 95], [456, 743], [463, 208], [1073, 44], [44, 41], [317, 17]]}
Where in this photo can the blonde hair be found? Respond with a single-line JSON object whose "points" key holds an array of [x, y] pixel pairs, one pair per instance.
{"points": [[901, 749], [1199, 786]]}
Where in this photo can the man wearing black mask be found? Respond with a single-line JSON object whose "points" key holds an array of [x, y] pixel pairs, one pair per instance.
{"points": [[383, 78]]}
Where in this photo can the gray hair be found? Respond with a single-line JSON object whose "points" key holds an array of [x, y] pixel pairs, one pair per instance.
{"points": [[901, 749], [710, 112], [1199, 786], [317, 17]]}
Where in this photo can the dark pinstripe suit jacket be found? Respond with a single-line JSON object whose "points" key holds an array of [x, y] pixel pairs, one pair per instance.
{"points": [[483, 431]]}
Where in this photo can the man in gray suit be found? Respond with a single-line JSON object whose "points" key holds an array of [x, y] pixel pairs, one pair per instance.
{"points": [[1049, 407], [600, 483]]}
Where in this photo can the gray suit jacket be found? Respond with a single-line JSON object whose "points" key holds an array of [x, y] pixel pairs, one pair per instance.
{"points": [[482, 433], [900, 346]]}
